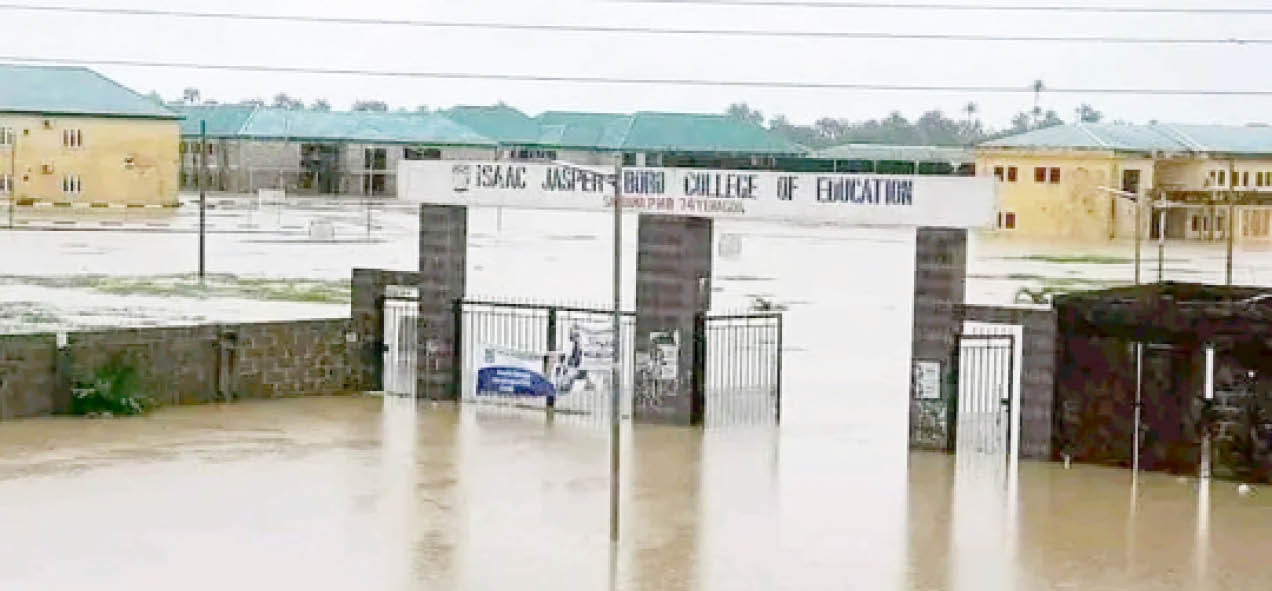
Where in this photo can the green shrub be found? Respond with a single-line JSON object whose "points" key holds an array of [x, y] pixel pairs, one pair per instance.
{"points": [[112, 389]]}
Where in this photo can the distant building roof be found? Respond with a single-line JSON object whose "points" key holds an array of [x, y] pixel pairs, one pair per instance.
{"points": [[501, 123], [1223, 139], [372, 127], [67, 90], [665, 132], [222, 120], [876, 152]]}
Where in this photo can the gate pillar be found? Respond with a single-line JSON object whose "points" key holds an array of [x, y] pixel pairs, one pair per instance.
{"points": [[443, 256], [940, 278], [673, 290]]}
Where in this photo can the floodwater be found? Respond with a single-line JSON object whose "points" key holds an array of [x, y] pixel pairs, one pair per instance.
{"points": [[370, 493]]}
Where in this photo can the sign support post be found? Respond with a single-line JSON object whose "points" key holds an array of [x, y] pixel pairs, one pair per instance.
{"points": [[616, 372]]}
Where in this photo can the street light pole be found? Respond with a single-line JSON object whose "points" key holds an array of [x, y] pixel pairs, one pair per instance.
{"points": [[203, 196], [13, 172], [616, 374]]}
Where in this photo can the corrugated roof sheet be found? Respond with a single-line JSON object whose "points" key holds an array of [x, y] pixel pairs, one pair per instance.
{"points": [[362, 127], [576, 129], [952, 154], [1225, 139], [502, 123], [223, 120], [67, 90], [689, 132]]}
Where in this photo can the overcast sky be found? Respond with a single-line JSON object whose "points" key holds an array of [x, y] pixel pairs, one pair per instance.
{"points": [[47, 35]]}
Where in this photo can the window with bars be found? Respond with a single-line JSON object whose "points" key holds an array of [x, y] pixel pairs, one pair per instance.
{"points": [[998, 172], [72, 138], [71, 183], [6, 183], [6, 136]]}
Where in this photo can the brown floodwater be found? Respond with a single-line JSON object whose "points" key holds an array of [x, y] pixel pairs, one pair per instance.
{"points": [[370, 493]]}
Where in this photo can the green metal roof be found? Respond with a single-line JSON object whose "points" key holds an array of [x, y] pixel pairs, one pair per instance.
{"points": [[576, 129], [687, 132], [223, 120], [876, 152], [1223, 139], [67, 90], [360, 127], [504, 124]]}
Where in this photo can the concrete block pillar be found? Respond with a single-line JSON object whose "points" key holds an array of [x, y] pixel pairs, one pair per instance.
{"points": [[673, 274], [443, 255], [940, 279]]}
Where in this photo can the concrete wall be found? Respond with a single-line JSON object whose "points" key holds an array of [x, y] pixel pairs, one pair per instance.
{"points": [[1037, 390], [27, 375], [442, 280], [940, 276], [119, 161], [183, 364], [367, 319]]}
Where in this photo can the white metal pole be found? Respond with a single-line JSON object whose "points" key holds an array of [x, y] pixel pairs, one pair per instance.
{"points": [[1139, 389], [1210, 396], [616, 372]]}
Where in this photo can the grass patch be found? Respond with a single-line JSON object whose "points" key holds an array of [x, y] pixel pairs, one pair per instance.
{"points": [[188, 285]]}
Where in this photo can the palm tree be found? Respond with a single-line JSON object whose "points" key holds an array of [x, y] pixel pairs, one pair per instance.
{"points": [[970, 108], [190, 95]]}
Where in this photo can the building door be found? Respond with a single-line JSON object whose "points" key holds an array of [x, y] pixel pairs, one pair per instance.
{"points": [[1131, 181], [401, 318]]}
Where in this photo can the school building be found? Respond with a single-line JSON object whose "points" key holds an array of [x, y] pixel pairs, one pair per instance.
{"points": [[72, 137], [1083, 181]]}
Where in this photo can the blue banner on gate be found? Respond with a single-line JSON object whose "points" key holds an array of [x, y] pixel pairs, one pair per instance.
{"points": [[513, 381]]}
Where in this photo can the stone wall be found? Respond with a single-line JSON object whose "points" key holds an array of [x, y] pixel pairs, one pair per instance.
{"points": [[183, 364], [27, 375], [1038, 371]]}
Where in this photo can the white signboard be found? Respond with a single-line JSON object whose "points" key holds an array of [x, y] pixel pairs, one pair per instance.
{"points": [[927, 380], [850, 199]]}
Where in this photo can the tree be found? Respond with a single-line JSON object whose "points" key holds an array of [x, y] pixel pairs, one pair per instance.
{"points": [[1021, 123], [283, 101], [370, 106], [743, 112], [423, 109], [320, 105], [971, 108], [190, 95], [211, 102], [253, 102], [1050, 119], [1088, 114]]}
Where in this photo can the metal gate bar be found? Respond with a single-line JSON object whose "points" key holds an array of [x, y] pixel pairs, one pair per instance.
{"points": [[401, 319], [985, 394], [743, 367]]}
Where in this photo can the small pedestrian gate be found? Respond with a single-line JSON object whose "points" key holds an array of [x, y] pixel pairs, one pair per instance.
{"points": [[986, 385], [401, 321]]}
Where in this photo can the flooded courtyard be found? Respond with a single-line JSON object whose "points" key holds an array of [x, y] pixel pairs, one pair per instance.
{"points": [[371, 493]]}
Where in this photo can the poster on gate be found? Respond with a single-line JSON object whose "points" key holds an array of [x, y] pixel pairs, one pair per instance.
{"points": [[585, 358], [503, 371]]}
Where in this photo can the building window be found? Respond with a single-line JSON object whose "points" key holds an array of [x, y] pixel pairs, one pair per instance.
{"points": [[1223, 179], [1258, 179], [421, 154], [71, 183], [1006, 220], [72, 138], [6, 184], [532, 154], [1131, 181], [375, 159], [6, 136], [998, 172], [1245, 179], [1011, 174], [1054, 175], [1040, 174]]}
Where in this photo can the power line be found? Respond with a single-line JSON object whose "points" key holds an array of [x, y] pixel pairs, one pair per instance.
{"points": [[1225, 11], [775, 84], [639, 30]]}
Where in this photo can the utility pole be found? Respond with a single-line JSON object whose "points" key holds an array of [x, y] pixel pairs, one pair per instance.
{"points": [[13, 172], [1231, 231], [1161, 238], [616, 372], [203, 196], [1139, 218]]}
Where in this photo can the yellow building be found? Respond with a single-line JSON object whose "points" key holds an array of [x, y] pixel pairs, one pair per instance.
{"points": [[1081, 181], [70, 136]]}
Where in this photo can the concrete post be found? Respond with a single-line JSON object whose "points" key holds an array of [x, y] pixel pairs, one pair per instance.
{"points": [[443, 255], [673, 259], [940, 276]]}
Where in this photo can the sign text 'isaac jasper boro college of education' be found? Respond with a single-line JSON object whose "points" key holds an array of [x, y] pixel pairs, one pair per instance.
{"points": [[851, 199]]}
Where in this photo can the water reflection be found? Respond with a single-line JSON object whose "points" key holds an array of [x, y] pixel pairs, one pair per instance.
{"points": [[391, 494]]}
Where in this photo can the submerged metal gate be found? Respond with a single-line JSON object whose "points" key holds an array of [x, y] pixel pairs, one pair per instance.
{"points": [[401, 322], [740, 371], [743, 371], [986, 369]]}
